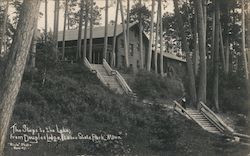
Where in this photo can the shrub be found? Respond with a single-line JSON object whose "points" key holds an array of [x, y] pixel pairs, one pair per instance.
{"points": [[150, 85]]}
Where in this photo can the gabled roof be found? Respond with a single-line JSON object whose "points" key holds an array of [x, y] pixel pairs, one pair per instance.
{"points": [[98, 32]]}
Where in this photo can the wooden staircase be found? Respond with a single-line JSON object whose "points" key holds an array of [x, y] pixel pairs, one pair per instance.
{"points": [[203, 121], [210, 122], [110, 78]]}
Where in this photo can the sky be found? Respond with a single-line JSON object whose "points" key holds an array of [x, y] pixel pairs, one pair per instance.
{"points": [[100, 3]]}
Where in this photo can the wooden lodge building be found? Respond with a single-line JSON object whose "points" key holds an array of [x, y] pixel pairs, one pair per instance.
{"points": [[71, 37]]}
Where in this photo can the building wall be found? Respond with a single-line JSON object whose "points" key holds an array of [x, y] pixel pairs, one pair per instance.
{"points": [[133, 51]]}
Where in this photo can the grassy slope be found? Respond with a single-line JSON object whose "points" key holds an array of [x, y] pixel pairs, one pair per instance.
{"points": [[74, 98]]}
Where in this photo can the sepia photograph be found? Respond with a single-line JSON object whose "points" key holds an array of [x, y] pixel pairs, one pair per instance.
{"points": [[124, 77]]}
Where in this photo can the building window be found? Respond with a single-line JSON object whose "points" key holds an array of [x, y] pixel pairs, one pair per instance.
{"points": [[138, 47], [131, 49], [122, 43], [123, 60], [138, 63]]}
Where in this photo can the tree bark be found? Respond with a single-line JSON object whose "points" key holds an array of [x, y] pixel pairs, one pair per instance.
{"points": [[46, 21], [213, 38], [222, 49], [56, 21], [114, 36], [248, 34], [161, 39], [196, 46], [192, 89], [91, 30], [79, 41], [156, 40], [56, 24], [127, 27], [106, 30], [216, 57], [15, 66], [33, 49], [3, 42], [141, 37], [85, 28], [244, 39], [227, 51], [204, 3], [64, 27], [124, 35], [151, 36], [202, 48]]}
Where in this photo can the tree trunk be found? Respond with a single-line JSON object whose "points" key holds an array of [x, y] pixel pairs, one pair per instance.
{"points": [[15, 66], [202, 48], [3, 37], [161, 38], [56, 20], [227, 42], [204, 2], [91, 30], [192, 89], [79, 41], [216, 57], [106, 30], [222, 49], [127, 27], [151, 36], [56, 24], [244, 40], [196, 46], [46, 21], [248, 35], [85, 28], [213, 39], [124, 35], [64, 28], [141, 37], [156, 40], [114, 36], [33, 49]]}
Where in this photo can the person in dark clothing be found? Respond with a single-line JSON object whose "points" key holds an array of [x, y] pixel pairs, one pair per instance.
{"points": [[183, 103]]}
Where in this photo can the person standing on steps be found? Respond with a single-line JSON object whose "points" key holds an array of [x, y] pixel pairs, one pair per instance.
{"points": [[183, 103]]}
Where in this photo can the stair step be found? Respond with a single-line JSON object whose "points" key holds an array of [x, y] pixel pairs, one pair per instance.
{"points": [[215, 131], [209, 126], [211, 129], [200, 119]]}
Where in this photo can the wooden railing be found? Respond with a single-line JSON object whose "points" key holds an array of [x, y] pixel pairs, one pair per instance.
{"points": [[212, 117], [108, 68], [182, 110], [119, 78], [99, 76], [88, 65]]}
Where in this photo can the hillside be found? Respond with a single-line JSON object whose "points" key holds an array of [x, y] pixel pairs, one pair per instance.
{"points": [[73, 98]]}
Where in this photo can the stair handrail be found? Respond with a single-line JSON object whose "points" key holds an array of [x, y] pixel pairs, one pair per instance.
{"points": [[88, 65], [220, 124], [120, 79], [185, 111], [176, 104], [99, 76], [108, 68]]}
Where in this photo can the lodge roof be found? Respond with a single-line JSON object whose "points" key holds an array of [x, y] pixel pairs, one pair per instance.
{"points": [[98, 32]]}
